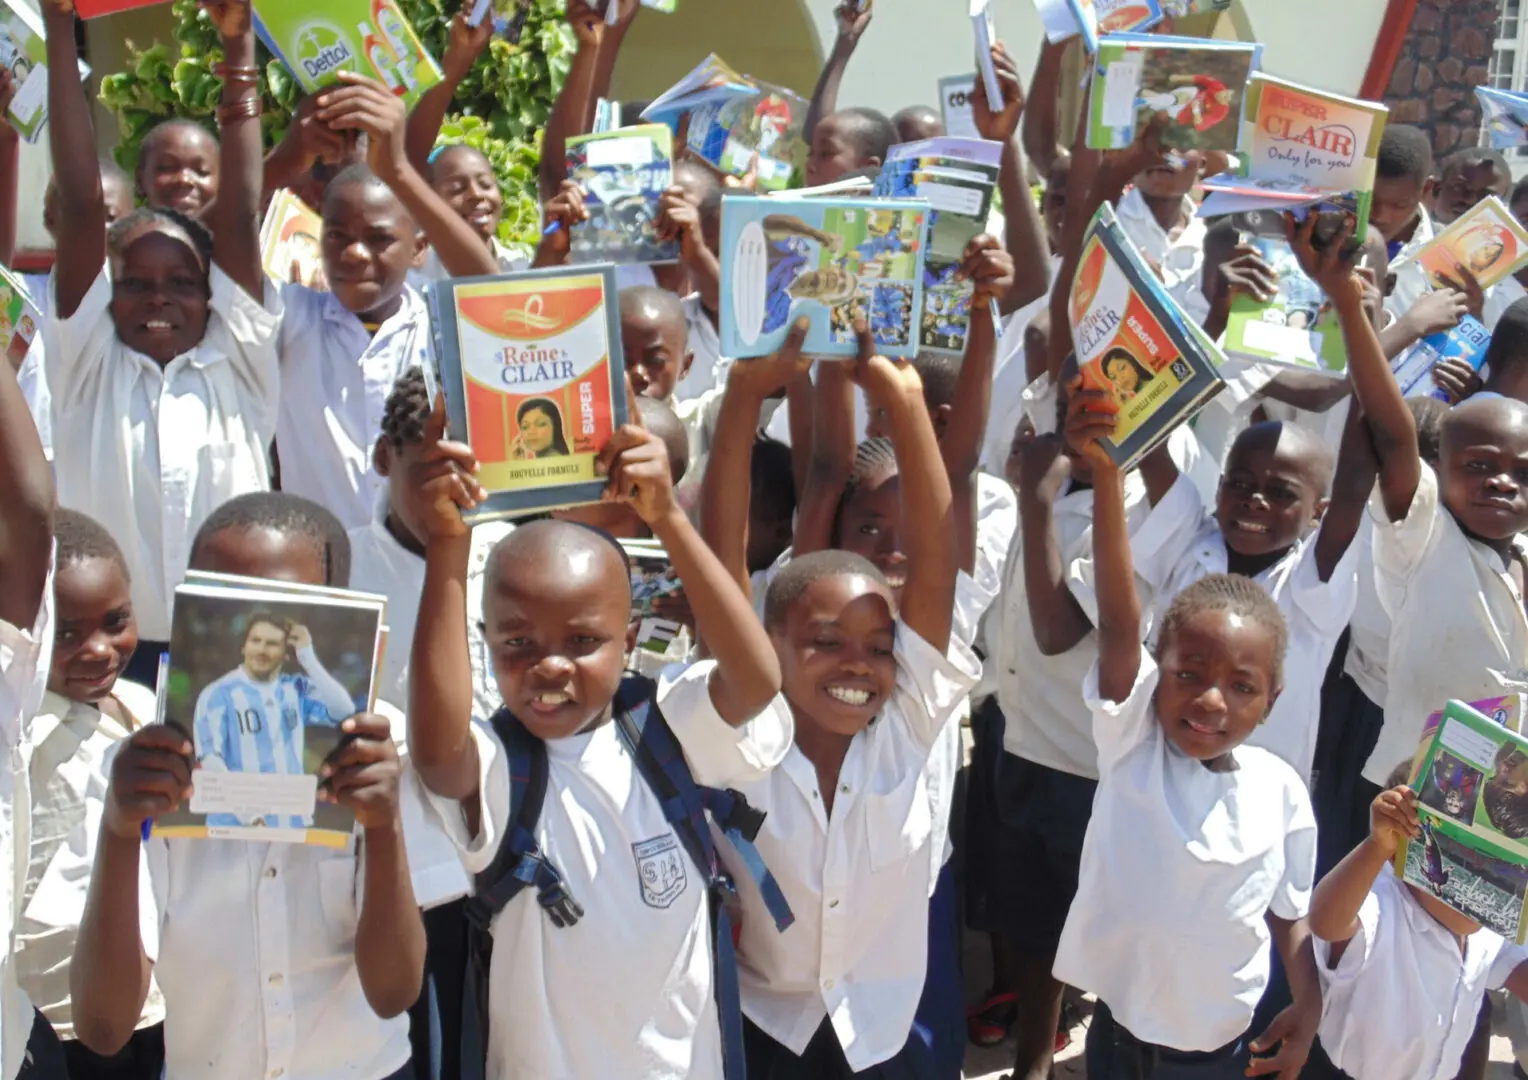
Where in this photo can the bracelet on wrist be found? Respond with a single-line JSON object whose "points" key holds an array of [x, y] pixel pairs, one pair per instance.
{"points": [[242, 108]]}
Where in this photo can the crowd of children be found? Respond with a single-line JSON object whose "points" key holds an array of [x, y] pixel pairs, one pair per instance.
{"points": [[945, 668]]}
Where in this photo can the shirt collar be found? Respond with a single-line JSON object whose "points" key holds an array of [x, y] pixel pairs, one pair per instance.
{"points": [[410, 310]]}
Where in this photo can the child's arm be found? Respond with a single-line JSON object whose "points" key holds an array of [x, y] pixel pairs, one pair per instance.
{"points": [[1352, 484], [10, 167], [1091, 416], [1042, 124], [568, 111], [464, 45], [725, 489], [1024, 233], [1307, 390], [1334, 905], [990, 270], [609, 52], [109, 976], [1390, 421], [928, 598], [1055, 616], [26, 511], [747, 675], [801, 401], [1434, 312], [362, 773], [1294, 1029], [832, 457], [308, 140], [235, 216], [679, 219], [364, 104], [81, 237], [565, 210], [825, 96], [440, 666]]}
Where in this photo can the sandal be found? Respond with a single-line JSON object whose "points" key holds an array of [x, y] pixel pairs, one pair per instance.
{"points": [[1070, 1018], [989, 1023]]}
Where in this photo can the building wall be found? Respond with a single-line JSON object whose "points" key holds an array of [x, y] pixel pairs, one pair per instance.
{"points": [[1445, 56]]}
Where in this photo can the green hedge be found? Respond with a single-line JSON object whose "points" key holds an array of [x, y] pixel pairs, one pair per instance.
{"points": [[500, 107]]}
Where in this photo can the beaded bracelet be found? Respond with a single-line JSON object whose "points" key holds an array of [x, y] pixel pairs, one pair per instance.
{"points": [[247, 107]]}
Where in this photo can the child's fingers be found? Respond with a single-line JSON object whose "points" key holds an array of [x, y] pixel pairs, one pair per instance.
{"points": [[620, 439], [164, 737], [790, 348], [435, 426], [1082, 399]]}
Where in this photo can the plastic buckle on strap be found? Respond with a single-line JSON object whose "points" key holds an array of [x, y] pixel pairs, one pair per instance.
{"points": [[743, 817], [559, 903]]}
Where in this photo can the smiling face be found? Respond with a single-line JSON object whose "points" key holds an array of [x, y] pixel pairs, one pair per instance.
{"points": [[556, 614], [1483, 474], [265, 648], [464, 179], [871, 525], [1272, 491], [159, 292], [369, 243], [1217, 682], [96, 632], [537, 430], [835, 651], [178, 168]]}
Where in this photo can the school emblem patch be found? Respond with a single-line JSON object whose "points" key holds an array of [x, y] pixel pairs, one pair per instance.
{"points": [[660, 867]]}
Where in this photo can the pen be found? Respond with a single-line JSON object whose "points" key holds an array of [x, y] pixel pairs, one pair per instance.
{"points": [[148, 827], [550, 229]]}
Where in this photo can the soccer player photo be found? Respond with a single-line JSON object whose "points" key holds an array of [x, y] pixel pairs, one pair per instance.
{"points": [[262, 680]]}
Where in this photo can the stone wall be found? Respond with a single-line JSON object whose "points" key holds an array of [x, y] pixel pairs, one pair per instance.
{"points": [[1446, 55]]}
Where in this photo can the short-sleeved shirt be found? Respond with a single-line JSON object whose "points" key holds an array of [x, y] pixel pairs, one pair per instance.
{"points": [[640, 958], [1402, 972], [1180, 867]]}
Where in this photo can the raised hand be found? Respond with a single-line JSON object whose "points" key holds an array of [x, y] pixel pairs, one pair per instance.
{"points": [[442, 480], [765, 376], [151, 775], [988, 267], [1091, 415], [364, 104], [999, 120], [637, 464], [231, 17], [362, 772], [464, 44]]}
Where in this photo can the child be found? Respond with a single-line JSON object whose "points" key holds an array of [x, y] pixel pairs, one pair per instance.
{"points": [[179, 168], [1468, 177], [1162, 220], [557, 608], [342, 350], [1446, 547], [87, 710], [852, 24], [654, 339], [875, 673], [26, 631], [1394, 958], [319, 950], [387, 554], [163, 369], [1403, 184], [847, 141], [1215, 838]]}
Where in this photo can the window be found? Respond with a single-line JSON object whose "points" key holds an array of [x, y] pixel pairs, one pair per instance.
{"points": [[1509, 65]]}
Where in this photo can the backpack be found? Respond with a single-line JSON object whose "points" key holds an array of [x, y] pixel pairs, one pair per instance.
{"points": [[519, 862]]}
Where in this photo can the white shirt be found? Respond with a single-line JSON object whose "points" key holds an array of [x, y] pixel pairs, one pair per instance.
{"points": [[1369, 628], [1458, 626], [335, 380], [1402, 972], [1410, 280], [422, 277], [640, 958], [379, 564], [24, 660], [1009, 378], [708, 369], [857, 880], [1179, 867], [31, 376], [1178, 254], [1316, 613], [70, 741], [152, 451]]}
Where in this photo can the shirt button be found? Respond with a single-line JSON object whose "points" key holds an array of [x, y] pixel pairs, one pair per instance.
{"points": [[843, 789], [832, 903], [271, 872], [275, 980], [828, 985], [276, 1072]]}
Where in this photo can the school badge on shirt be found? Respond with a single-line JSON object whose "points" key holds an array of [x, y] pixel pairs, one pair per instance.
{"points": [[660, 866]]}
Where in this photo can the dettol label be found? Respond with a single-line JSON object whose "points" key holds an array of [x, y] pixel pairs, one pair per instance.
{"points": [[316, 45]]}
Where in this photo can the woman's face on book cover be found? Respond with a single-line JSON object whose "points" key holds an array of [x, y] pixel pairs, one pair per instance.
{"points": [[537, 431]]}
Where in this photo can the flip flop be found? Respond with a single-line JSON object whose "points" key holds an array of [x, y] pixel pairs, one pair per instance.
{"points": [[989, 1022]]}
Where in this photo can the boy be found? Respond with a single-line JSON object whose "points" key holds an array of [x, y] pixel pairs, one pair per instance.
{"points": [[1469, 176], [852, 23], [1447, 554], [179, 167], [1163, 221], [654, 339], [1393, 958], [557, 608], [1403, 184], [847, 141], [319, 949], [164, 370], [87, 710]]}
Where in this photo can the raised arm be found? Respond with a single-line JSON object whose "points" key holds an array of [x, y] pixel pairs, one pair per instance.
{"points": [[833, 450], [568, 111], [679, 219], [1334, 905], [1091, 416], [609, 52], [26, 511], [1390, 421], [725, 489], [81, 236], [464, 45], [1024, 234], [10, 167], [1042, 122], [1055, 617], [928, 598], [1352, 484], [235, 215], [851, 24], [363, 104], [747, 675], [308, 140], [440, 665]]}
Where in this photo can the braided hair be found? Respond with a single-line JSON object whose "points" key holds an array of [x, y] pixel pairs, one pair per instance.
{"points": [[1237, 595], [407, 410]]}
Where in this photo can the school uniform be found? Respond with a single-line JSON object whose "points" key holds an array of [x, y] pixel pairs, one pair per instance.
{"points": [[1043, 775], [708, 368], [152, 451], [627, 991], [31, 376], [1180, 866], [421, 277], [1010, 377], [380, 564], [69, 786], [25, 655], [855, 880], [335, 380], [1403, 1000], [1458, 628], [1177, 253], [1410, 279]]}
